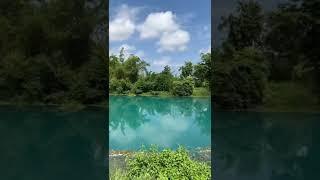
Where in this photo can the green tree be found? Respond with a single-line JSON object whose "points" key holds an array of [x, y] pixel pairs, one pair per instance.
{"points": [[203, 71], [240, 82], [245, 27], [186, 70]]}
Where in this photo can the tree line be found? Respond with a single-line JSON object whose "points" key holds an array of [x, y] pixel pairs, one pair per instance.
{"points": [[266, 46], [53, 52], [131, 76]]}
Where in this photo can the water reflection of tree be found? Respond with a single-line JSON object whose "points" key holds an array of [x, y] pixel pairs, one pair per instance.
{"points": [[135, 111], [50, 145], [126, 111], [271, 145], [203, 115]]}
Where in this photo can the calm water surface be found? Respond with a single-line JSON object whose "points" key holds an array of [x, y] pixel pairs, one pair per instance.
{"points": [[39, 143], [166, 122], [266, 146]]}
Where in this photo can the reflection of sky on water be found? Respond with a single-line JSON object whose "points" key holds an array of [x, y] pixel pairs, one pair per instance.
{"points": [[166, 128]]}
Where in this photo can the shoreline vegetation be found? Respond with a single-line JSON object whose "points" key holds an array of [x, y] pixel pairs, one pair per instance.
{"points": [[130, 76], [260, 65], [153, 164], [61, 107], [197, 92], [267, 60]]}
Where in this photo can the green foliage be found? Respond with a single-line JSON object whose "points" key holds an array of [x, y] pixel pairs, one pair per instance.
{"points": [[133, 69], [50, 53], [121, 86], [186, 70], [183, 87], [144, 85], [166, 164], [163, 82], [121, 175], [203, 71], [265, 46], [245, 26], [201, 91], [283, 96], [240, 82]]}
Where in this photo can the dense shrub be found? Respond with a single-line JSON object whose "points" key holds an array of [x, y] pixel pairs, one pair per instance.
{"points": [[163, 82], [155, 93], [241, 81], [182, 87], [121, 86], [138, 91], [113, 84], [56, 64], [143, 85], [166, 164]]}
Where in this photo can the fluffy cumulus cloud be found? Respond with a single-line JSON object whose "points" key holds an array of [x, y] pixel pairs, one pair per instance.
{"points": [[163, 25], [122, 26], [175, 41], [157, 23], [162, 61]]}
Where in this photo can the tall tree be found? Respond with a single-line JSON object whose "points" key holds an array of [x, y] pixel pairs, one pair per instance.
{"points": [[245, 26], [186, 70]]}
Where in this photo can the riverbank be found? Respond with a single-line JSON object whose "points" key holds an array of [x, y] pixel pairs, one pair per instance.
{"points": [[285, 97], [197, 92], [70, 106]]}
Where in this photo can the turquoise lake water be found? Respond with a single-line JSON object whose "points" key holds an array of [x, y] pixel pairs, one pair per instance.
{"points": [[166, 122], [43, 143]]}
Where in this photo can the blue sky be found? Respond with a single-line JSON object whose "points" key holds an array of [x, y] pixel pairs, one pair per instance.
{"points": [[161, 32]]}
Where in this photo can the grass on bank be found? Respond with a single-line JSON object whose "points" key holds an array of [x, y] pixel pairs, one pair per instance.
{"points": [[289, 96], [166, 164]]}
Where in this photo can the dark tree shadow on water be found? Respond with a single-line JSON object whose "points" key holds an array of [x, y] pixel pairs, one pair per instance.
{"points": [[52, 145], [267, 146]]}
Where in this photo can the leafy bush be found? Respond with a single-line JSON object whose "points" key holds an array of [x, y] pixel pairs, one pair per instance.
{"points": [[182, 87], [138, 91], [163, 82], [144, 85], [240, 82], [167, 164], [155, 93], [201, 91], [113, 84], [121, 175], [121, 86]]}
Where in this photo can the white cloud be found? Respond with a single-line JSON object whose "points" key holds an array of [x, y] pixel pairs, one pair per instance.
{"points": [[208, 50], [175, 41], [159, 64], [140, 54], [127, 50], [162, 61], [157, 23], [122, 26], [163, 25]]}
